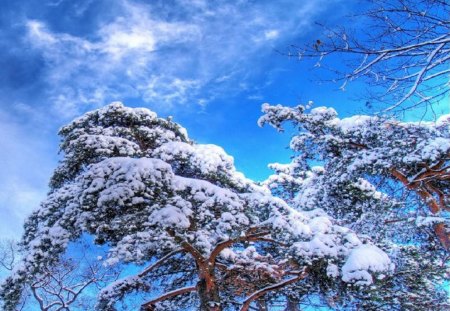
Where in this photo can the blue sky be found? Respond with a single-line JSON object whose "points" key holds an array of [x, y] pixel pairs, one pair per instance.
{"points": [[210, 64]]}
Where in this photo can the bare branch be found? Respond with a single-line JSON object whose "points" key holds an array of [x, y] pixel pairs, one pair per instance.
{"points": [[405, 47], [159, 262], [148, 306], [248, 237], [246, 305]]}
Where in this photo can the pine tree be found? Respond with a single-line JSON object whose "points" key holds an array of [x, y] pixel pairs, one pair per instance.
{"points": [[210, 237], [388, 181]]}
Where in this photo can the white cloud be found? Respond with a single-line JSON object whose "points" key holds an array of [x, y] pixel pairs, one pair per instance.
{"points": [[19, 200], [166, 56], [136, 32], [256, 97], [82, 72], [121, 42], [271, 34], [184, 54], [39, 33], [25, 169], [168, 90]]}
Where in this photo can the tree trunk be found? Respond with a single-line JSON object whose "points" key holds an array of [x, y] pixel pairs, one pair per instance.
{"points": [[208, 293], [292, 305], [262, 304]]}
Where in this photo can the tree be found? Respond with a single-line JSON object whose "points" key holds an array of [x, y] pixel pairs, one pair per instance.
{"points": [[61, 287], [8, 254], [401, 49], [384, 179], [8, 258], [211, 238]]}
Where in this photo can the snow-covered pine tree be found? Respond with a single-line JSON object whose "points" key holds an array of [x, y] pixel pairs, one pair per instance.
{"points": [[385, 179], [137, 184]]}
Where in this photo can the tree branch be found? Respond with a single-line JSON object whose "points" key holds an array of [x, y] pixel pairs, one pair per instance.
{"points": [[159, 262], [263, 291], [221, 246], [198, 257], [148, 306]]}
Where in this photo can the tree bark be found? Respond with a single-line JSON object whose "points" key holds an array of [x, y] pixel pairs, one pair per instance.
{"points": [[208, 292], [292, 305], [260, 293], [150, 305], [435, 206], [262, 304]]}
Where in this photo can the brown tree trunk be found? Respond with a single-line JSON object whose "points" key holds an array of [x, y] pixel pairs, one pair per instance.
{"points": [[208, 293], [292, 305], [435, 206], [262, 304]]}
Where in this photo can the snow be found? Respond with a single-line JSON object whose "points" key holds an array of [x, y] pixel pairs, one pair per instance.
{"points": [[140, 186], [321, 245], [332, 270], [364, 260], [171, 216], [105, 145], [435, 148], [443, 120], [119, 180], [353, 123], [206, 158], [364, 159], [368, 188], [320, 113], [320, 224], [116, 290], [431, 149]]}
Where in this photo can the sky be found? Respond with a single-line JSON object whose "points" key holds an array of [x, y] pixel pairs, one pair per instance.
{"points": [[209, 64]]}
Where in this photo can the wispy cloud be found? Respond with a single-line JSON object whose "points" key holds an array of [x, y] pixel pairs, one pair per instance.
{"points": [[26, 166], [85, 54], [165, 56]]}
